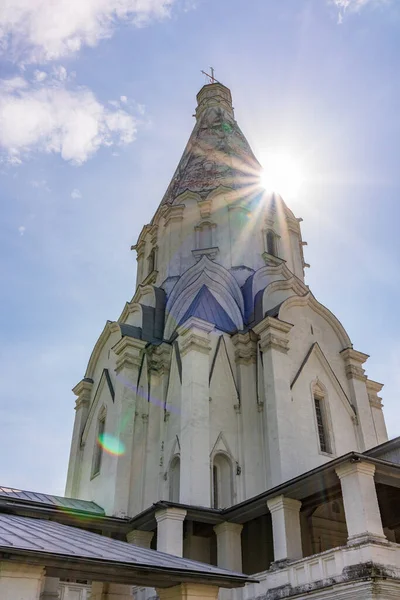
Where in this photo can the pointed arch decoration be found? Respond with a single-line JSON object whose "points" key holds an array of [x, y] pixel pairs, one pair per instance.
{"points": [[268, 274], [222, 471], [271, 296], [321, 310], [109, 328], [222, 285], [221, 350]]}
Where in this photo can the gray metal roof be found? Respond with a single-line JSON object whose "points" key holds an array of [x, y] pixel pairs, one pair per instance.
{"points": [[55, 501], [206, 307], [45, 537]]}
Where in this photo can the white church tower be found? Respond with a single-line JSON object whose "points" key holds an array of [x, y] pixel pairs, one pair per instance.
{"points": [[224, 376]]}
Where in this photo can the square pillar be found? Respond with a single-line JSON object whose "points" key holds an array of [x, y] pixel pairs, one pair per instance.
{"points": [[110, 591], [82, 390], [359, 397], [50, 589], [194, 345], [20, 581], [170, 530], [363, 518], [188, 591], [140, 538], [229, 546], [280, 428], [128, 353], [286, 531]]}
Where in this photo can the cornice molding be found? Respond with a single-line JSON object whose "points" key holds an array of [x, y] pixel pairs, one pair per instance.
{"points": [[194, 335], [173, 213], [160, 359], [273, 334], [129, 353], [245, 348]]}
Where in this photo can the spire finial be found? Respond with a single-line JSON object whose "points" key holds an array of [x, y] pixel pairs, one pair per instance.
{"points": [[210, 77]]}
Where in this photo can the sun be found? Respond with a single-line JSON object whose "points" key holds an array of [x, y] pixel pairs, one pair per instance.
{"points": [[281, 174]]}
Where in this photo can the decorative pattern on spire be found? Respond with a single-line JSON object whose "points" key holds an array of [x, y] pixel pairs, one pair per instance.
{"points": [[217, 153]]}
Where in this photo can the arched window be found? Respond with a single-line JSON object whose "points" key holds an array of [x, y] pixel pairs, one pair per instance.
{"points": [[174, 479], [321, 420], [98, 448], [152, 260], [205, 236], [222, 481], [271, 243]]}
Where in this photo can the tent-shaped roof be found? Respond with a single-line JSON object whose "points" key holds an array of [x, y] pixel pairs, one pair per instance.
{"points": [[217, 153]]}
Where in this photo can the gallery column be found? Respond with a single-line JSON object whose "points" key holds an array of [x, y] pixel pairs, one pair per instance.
{"points": [[170, 530], [363, 517], [286, 532], [20, 581]]}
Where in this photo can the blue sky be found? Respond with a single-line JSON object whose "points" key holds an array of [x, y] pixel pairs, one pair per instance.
{"points": [[96, 106]]}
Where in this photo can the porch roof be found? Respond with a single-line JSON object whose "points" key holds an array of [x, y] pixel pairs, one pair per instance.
{"points": [[70, 552]]}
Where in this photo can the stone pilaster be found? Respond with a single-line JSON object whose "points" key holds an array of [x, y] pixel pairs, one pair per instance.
{"points": [[110, 591], [363, 518], [239, 216], [286, 531], [50, 589], [129, 353], [359, 396], [170, 530], [375, 402], [281, 449], [140, 255], [194, 345], [140, 538], [19, 581], [229, 546], [173, 222], [251, 481], [82, 390]]}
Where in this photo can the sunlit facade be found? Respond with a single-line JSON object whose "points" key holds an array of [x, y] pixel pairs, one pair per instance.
{"points": [[226, 414]]}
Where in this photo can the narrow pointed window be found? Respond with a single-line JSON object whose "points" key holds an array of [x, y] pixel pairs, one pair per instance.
{"points": [[174, 479], [215, 487], [321, 424], [222, 481], [98, 449], [271, 243], [152, 261]]}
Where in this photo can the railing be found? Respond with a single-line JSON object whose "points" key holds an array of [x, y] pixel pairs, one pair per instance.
{"points": [[316, 570]]}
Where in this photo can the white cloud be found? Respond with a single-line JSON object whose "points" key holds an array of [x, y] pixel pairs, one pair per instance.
{"points": [[39, 75], [39, 30], [21, 229], [40, 184], [124, 99], [52, 118], [356, 5], [76, 194], [60, 72]]}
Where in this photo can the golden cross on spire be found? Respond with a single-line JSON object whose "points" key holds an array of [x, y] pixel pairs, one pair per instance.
{"points": [[210, 77]]}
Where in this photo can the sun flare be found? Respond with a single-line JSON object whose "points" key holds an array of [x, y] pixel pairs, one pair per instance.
{"points": [[281, 174]]}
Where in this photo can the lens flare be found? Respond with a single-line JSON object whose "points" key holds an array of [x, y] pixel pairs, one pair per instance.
{"points": [[281, 174], [111, 444]]}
